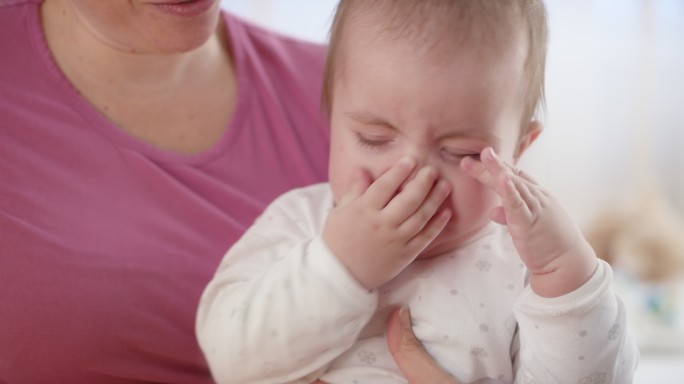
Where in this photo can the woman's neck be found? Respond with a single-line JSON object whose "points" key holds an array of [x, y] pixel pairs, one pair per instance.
{"points": [[86, 59], [191, 95]]}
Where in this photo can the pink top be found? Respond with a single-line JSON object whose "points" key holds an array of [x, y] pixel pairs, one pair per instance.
{"points": [[106, 243]]}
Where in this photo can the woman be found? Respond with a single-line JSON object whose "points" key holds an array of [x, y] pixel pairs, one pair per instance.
{"points": [[138, 139]]}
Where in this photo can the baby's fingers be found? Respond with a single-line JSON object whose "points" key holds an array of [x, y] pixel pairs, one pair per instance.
{"points": [[489, 170], [386, 186], [515, 197], [500, 172], [478, 171], [356, 190], [516, 189], [414, 195], [494, 173], [521, 196]]}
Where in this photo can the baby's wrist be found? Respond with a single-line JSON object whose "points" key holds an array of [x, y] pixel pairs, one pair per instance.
{"points": [[568, 273]]}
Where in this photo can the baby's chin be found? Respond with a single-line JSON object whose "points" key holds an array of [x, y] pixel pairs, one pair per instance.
{"points": [[440, 246], [450, 240], [436, 250]]}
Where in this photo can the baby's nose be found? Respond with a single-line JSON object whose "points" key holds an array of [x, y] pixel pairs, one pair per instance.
{"points": [[423, 160]]}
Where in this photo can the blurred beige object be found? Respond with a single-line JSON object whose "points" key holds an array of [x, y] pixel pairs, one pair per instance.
{"points": [[644, 243], [644, 239]]}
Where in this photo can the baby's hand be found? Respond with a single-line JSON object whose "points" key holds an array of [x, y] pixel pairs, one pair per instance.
{"points": [[377, 230], [550, 244]]}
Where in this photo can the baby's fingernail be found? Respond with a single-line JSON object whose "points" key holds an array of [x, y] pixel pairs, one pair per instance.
{"points": [[407, 161], [493, 152], [427, 171]]}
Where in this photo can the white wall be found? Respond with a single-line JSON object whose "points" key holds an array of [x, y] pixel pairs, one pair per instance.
{"points": [[305, 19], [615, 101], [615, 91]]}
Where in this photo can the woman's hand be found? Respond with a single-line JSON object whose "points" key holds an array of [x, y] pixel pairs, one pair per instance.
{"points": [[414, 362]]}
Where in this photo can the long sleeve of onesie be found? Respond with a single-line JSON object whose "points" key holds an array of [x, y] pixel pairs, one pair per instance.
{"points": [[578, 338], [281, 306]]}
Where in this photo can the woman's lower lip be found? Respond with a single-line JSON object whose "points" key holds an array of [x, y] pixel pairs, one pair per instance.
{"points": [[186, 9]]}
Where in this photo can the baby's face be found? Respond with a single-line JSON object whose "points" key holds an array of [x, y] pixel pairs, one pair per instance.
{"points": [[390, 101]]}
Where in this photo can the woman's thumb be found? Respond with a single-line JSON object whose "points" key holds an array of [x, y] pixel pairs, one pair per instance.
{"points": [[412, 359]]}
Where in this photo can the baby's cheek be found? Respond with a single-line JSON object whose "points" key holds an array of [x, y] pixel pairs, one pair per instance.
{"points": [[344, 178], [473, 199]]}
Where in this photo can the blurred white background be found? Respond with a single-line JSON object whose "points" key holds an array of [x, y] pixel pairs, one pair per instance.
{"points": [[615, 120]]}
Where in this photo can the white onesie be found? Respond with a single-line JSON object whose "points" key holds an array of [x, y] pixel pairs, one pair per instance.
{"points": [[282, 308]]}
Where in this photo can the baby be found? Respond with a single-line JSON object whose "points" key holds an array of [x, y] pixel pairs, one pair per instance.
{"points": [[431, 104]]}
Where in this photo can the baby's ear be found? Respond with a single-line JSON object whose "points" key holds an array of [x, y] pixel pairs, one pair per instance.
{"points": [[528, 136]]}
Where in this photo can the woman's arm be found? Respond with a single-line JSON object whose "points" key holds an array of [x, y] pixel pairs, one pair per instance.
{"points": [[413, 360]]}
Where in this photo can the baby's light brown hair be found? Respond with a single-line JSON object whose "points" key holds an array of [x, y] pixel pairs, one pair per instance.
{"points": [[455, 22]]}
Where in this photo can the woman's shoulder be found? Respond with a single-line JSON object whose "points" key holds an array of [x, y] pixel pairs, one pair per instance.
{"points": [[273, 50], [13, 16], [280, 79], [292, 68], [7, 4], [316, 197], [309, 204]]}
